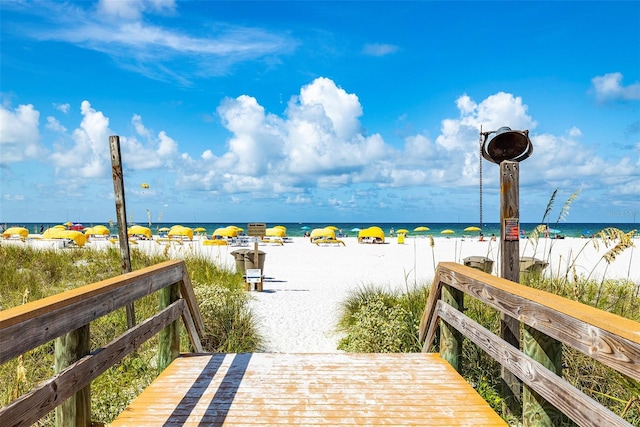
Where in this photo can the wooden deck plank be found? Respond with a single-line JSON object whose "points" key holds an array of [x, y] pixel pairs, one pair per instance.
{"points": [[309, 389]]}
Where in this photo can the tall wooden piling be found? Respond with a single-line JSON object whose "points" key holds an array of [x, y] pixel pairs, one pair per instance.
{"points": [[121, 215], [510, 269]]}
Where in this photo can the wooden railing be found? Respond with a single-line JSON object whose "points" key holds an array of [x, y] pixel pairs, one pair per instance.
{"points": [[65, 318], [549, 322]]}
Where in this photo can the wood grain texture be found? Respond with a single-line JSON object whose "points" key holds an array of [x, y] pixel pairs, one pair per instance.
{"points": [[27, 326], [309, 389], [603, 336], [450, 338], [30, 407], [571, 401], [69, 348]]}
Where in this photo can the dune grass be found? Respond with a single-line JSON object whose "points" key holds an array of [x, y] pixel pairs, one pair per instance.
{"points": [[374, 319], [27, 274]]}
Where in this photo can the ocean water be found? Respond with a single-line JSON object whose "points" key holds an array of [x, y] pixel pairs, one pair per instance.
{"points": [[298, 229]]}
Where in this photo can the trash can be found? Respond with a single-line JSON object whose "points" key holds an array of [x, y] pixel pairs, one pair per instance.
{"points": [[239, 256], [480, 263], [401, 239], [249, 257], [531, 268]]}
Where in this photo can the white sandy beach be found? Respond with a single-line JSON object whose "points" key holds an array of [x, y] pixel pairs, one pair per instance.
{"points": [[305, 283]]}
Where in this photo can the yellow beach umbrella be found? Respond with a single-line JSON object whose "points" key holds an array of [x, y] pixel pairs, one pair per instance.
{"points": [[473, 228], [164, 229], [179, 231], [421, 228], [57, 233], [229, 231], [276, 232], [327, 233], [139, 230], [402, 231], [16, 231], [447, 231], [200, 230]]}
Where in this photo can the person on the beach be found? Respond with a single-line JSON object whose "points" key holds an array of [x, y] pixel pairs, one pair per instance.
{"points": [[391, 232]]}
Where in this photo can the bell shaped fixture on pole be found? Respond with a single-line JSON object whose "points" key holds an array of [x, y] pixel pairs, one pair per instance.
{"points": [[507, 144]]}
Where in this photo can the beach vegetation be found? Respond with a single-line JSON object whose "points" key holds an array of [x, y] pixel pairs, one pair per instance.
{"points": [[374, 319], [377, 320], [27, 274], [371, 319]]}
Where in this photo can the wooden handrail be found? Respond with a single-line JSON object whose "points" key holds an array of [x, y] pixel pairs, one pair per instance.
{"points": [[25, 327], [606, 337]]}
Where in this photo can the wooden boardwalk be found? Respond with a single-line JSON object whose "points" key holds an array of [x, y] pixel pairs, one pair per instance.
{"points": [[309, 389]]}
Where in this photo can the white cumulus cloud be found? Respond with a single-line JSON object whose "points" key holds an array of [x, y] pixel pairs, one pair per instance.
{"points": [[609, 87], [20, 135]]}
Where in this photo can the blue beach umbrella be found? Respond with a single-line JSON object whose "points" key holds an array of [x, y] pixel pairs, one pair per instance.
{"points": [[305, 227]]}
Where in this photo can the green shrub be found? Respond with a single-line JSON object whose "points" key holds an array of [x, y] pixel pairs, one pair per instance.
{"points": [[229, 325], [376, 321], [27, 274]]}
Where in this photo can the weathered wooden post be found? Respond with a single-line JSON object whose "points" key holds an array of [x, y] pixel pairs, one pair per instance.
{"points": [[68, 349], [450, 338], [169, 337], [507, 148], [536, 411], [121, 215], [510, 269]]}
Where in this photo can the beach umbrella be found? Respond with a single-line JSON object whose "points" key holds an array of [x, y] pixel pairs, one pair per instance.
{"points": [[98, 230], [200, 230], [15, 231], [356, 229], [473, 228], [275, 232], [305, 227], [421, 228], [554, 231], [373, 232], [228, 231], [447, 231], [57, 233], [326, 233], [179, 231], [164, 229], [140, 231], [402, 231]]}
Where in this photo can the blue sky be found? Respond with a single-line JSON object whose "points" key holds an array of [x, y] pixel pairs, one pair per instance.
{"points": [[315, 111]]}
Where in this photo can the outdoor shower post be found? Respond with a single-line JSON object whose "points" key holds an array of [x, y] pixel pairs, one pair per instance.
{"points": [[510, 270], [507, 148]]}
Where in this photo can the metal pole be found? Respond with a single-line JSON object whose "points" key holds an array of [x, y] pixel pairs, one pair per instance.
{"points": [[480, 169], [121, 215]]}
